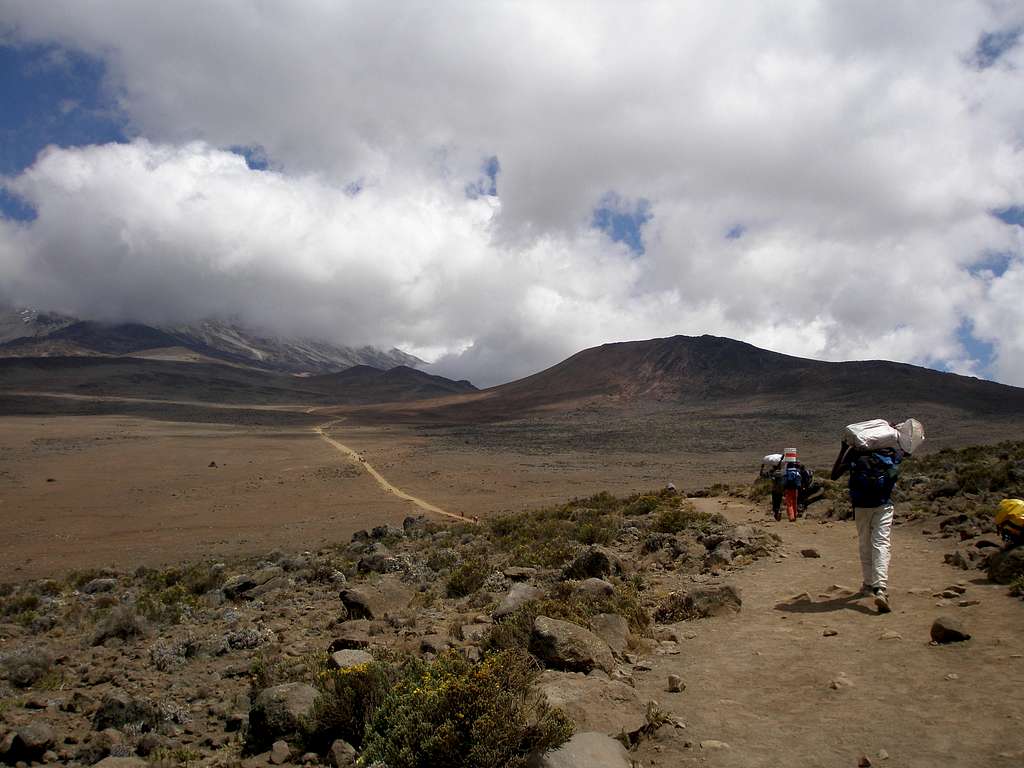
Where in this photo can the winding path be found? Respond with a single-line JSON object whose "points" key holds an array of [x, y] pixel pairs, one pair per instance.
{"points": [[382, 481]]}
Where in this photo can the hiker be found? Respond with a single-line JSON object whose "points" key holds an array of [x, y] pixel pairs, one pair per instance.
{"points": [[792, 473], [873, 475], [810, 491], [771, 470]]}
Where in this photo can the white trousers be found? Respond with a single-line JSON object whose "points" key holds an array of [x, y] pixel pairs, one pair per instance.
{"points": [[874, 524]]}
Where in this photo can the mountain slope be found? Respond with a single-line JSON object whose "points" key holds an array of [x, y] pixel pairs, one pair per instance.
{"points": [[27, 333], [365, 384], [719, 373]]}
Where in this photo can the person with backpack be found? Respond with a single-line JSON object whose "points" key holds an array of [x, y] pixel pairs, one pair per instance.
{"points": [[873, 475], [792, 472]]}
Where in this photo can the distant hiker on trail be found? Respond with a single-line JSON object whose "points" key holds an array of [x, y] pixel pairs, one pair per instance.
{"points": [[792, 482], [872, 452]]}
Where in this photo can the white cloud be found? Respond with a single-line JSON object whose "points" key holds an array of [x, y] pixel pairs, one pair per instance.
{"points": [[857, 146]]}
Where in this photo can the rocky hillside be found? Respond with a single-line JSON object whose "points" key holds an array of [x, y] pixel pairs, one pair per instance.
{"points": [[472, 644]]}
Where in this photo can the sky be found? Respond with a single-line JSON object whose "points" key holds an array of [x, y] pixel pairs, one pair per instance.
{"points": [[495, 186]]}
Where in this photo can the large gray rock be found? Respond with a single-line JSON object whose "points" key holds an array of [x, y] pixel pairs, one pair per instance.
{"points": [[122, 762], [593, 562], [341, 755], [568, 646], [586, 750], [592, 702], [377, 600], [1006, 565], [595, 588], [244, 585], [346, 659], [699, 602], [519, 595], [278, 712], [613, 629]]}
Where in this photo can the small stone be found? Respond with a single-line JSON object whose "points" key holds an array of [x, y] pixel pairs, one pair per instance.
{"points": [[959, 589], [890, 635], [952, 676], [883, 755], [676, 684], [644, 665], [712, 744], [949, 594], [864, 762], [946, 629], [280, 752], [810, 552], [829, 632], [968, 603], [345, 659], [842, 681]]}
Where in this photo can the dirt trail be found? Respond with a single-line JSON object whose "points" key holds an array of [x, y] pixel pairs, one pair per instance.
{"points": [[760, 681], [381, 480]]}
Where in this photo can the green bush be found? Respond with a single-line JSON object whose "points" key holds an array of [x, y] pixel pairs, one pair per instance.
{"points": [[467, 578], [684, 516], [122, 622], [454, 712], [348, 698]]}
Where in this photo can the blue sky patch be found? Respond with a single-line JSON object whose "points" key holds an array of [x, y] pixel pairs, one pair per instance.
{"points": [[1014, 214], [255, 156], [52, 95], [487, 184], [980, 351], [994, 262], [992, 45], [14, 207], [623, 221]]}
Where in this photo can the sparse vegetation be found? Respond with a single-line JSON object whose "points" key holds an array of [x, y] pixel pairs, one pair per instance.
{"points": [[454, 712], [122, 622], [468, 578]]}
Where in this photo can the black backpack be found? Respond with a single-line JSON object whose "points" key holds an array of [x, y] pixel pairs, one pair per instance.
{"points": [[873, 475]]}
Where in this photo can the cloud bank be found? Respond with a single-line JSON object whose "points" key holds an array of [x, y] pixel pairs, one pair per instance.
{"points": [[810, 178]]}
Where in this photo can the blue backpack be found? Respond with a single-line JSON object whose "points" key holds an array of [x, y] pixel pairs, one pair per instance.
{"points": [[873, 476], [791, 478]]}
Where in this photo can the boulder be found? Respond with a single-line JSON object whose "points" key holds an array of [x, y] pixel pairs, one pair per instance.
{"points": [[520, 594], [100, 585], [699, 602], [272, 585], [613, 629], [810, 552], [377, 600], [118, 708], [586, 750], [593, 562], [519, 573], [346, 659], [595, 588], [721, 555], [27, 744], [280, 752], [593, 703], [278, 712], [341, 755], [236, 585], [1006, 565], [564, 645], [352, 635], [946, 629]]}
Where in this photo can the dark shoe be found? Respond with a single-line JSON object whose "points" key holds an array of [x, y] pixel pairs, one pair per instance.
{"points": [[882, 601], [777, 516]]}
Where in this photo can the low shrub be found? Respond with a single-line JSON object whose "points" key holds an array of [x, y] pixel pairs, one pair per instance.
{"points": [[454, 712], [684, 516], [467, 578], [25, 666], [123, 622], [348, 698]]}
